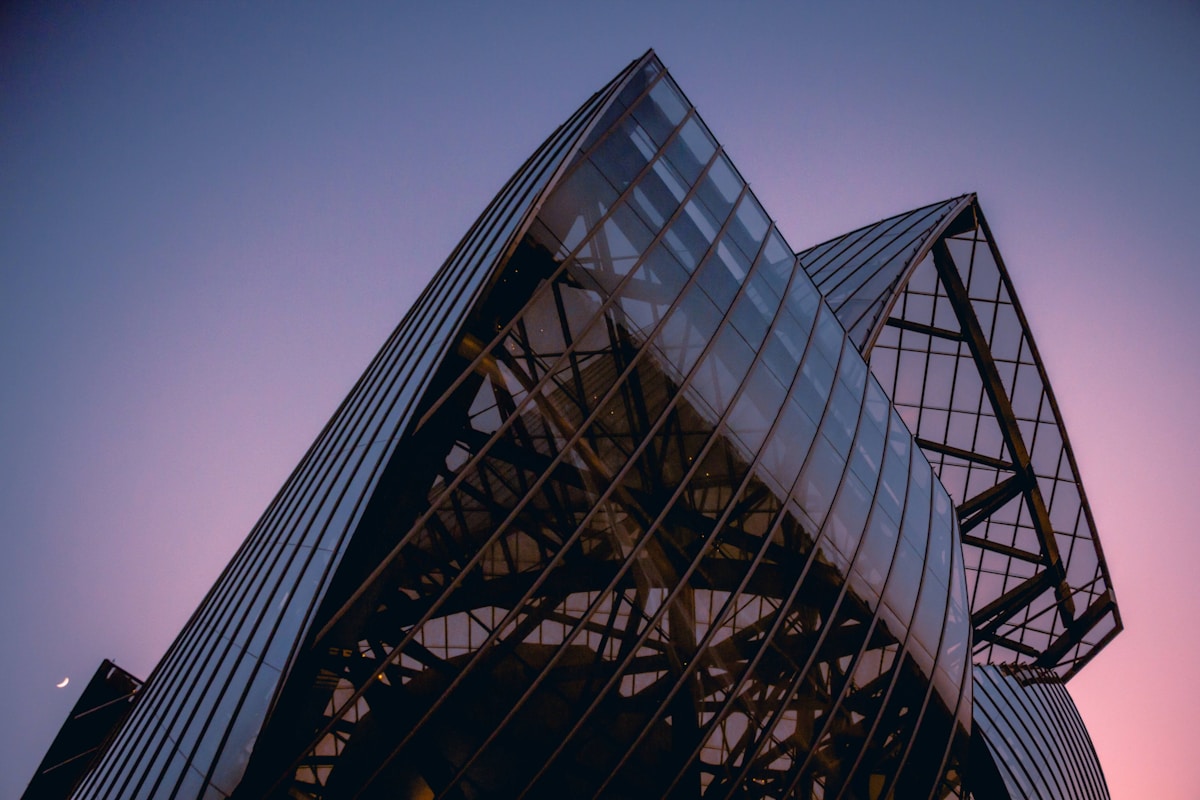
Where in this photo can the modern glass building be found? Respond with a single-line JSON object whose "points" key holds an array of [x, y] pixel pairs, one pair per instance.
{"points": [[638, 502]]}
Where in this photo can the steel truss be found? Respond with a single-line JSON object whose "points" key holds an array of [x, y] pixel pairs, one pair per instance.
{"points": [[947, 338]]}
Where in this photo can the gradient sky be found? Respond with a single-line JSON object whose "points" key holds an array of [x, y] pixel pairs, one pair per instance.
{"points": [[211, 218]]}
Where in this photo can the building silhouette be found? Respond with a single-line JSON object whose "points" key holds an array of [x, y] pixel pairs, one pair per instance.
{"points": [[637, 502]]}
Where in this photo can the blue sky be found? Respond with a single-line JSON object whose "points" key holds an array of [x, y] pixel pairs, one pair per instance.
{"points": [[211, 217]]}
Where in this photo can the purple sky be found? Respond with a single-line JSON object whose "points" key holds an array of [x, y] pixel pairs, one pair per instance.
{"points": [[210, 220]]}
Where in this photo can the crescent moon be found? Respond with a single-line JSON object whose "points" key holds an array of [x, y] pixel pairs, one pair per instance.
{"points": [[65, 681]]}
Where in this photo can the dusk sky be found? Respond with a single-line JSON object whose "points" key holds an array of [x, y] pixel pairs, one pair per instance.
{"points": [[211, 218]]}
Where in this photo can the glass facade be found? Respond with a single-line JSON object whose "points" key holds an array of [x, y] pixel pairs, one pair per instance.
{"points": [[1028, 730], [620, 510]]}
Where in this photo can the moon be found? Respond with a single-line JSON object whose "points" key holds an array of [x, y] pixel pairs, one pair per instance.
{"points": [[65, 681]]}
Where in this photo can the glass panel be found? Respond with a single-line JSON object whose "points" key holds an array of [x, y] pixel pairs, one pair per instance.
{"points": [[720, 187], [657, 194], [614, 248], [790, 443], [624, 154], [721, 276], [868, 450], [903, 582], [1027, 393], [802, 305], [852, 371], [780, 356], [820, 478], [844, 528], [841, 418], [916, 507], [577, 204], [722, 370], [829, 335], [690, 235], [894, 482], [658, 281], [751, 316], [757, 408], [749, 226], [691, 150], [812, 387], [638, 83], [1007, 337], [778, 264], [688, 329], [660, 111], [927, 623]]}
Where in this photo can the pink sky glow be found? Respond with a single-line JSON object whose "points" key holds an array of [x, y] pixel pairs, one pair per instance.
{"points": [[212, 220]]}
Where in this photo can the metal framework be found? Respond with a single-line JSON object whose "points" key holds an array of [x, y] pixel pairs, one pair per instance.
{"points": [[931, 304]]}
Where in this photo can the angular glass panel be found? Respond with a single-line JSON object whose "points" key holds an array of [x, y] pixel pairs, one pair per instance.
{"points": [[787, 448], [722, 275], [927, 623], [749, 226], [722, 370], [657, 195], [777, 263], [1005, 340], [842, 418], [720, 188], [903, 581], [751, 318], [690, 235], [916, 511], [848, 518], [819, 480], [1046, 450], [1027, 393], [782, 358], [646, 298], [690, 150], [689, 328], [944, 316], [660, 111], [624, 154], [814, 384], [614, 249], [828, 336], [577, 205], [893, 484], [757, 407]]}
